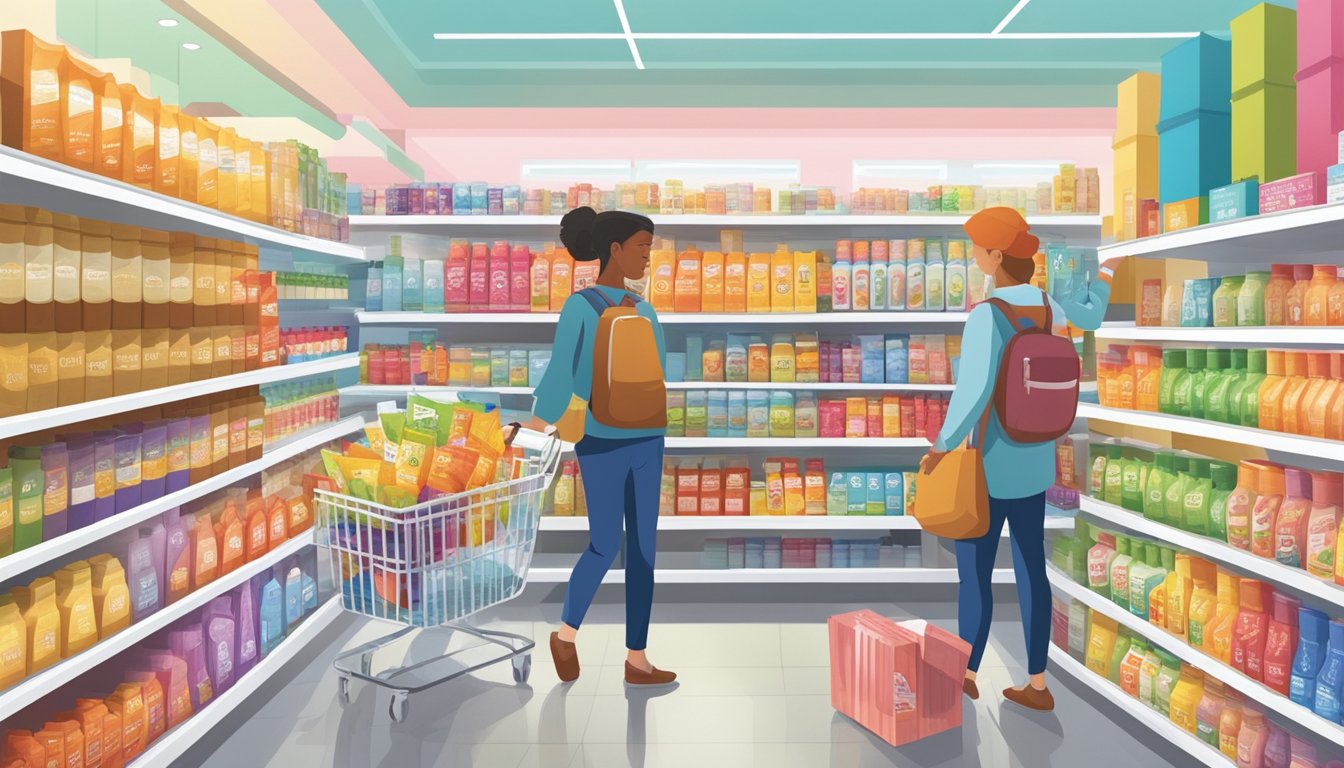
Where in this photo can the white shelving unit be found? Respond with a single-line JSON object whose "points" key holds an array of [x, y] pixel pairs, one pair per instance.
{"points": [[446, 224], [29, 180], [1328, 450], [780, 576], [1062, 663], [780, 524], [26, 560], [1298, 233], [1266, 570], [173, 744], [36, 686], [673, 318], [11, 426], [1276, 336], [1257, 692]]}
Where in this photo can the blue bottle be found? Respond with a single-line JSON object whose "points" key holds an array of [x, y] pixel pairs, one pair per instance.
{"points": [[373, 292], [293, 597], [272, 615], [1330, 683], [1313, 628]]}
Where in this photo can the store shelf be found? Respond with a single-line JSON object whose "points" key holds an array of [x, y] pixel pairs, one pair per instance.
{"points": [[1271, 700], [779, 523], [1279, 336], [93, 409], [398, 390], [1271, 571], [173, 744], [29, 180], [1329, 450], [22, 562], [722, 443], [779, 576], [1286, 235], [806, 319], [1062, 663], [36, 686], [743, 221]]}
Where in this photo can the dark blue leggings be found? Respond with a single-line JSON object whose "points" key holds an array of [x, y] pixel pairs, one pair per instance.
{"points": [[975, 569], [621, 481]]}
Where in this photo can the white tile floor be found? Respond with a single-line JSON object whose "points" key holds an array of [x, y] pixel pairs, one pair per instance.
{"points": [[752, 693]]}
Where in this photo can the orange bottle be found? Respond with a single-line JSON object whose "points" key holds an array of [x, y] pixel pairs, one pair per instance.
{"points": [[1276, 294], [204, 552], [1290, 407], [687, 290], [712, 273], [1334, 312], [1321, 397], [1271, 392], [229, 539], [1296, 299], [1323, 279], [1125, 382], [1334, 412], [735, 282], [562, 279], [277, 522], [256, 527], [662, 273], [1147, 377]]}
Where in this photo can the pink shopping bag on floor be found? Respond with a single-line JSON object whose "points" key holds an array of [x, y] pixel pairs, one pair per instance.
{"points": [[900, 680]]}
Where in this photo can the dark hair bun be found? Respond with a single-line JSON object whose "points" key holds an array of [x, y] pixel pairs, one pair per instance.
{"points": [[576, 232]]}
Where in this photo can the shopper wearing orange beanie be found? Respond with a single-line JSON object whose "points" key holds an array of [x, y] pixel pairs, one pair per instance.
{"points": [[1016, 474]]}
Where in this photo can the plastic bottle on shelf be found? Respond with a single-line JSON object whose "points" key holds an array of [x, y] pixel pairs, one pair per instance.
{"points": [[1144, 578], [1316, 311], [1280, 642], [1265, 515], [1160, 478], [1178, 588], [1225, 301], [1251, 739], [1099, 560], [1203, 602], [1251, 299], [1276, 294], [1113, 486], [1198, 495], [1290, 528], [1225, 614], [1272, 390], [1330, 681], [1131, 665], [1335, 300], [896, 290], [1245, 394], [1118, 653], [1248, 636], [1290, 411], [1119, 578], [878, 281], [1224, 476], [841, 275], [1210, 712], [1321, 391], [1188, 399], [1168, 677], [1229, 724], [1313, 637], [956, 277], [1296, 299], [1148, 672], [1322, 529], [1229, 368], [914, 276], [935, 276], [1173, 372], [1174, 507], [1185, 699], [1133, 473]]}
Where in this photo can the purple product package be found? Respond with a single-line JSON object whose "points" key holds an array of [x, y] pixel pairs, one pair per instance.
{"points": [[245, 624], [445, 200], [105, 475], [143, 578], [127, 449], [56, 491], [83, 511], [188, 644], [153, 461], [178, 450], [220, 636]]}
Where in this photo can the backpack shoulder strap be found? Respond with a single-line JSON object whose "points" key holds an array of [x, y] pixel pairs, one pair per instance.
{"points": [[1015, 320], [1049, 313], [597, 300]]}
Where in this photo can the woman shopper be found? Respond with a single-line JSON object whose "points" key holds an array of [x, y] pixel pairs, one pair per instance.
{"points": [[1016, 474], [621, 451]]}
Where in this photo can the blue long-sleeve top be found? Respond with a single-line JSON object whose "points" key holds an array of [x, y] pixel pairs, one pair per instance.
{"points": [[570, 371], [1012, 470]]}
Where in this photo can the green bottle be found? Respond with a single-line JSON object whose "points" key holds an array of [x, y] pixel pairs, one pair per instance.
{"points": [[1217, 398], [1189, 393], [1174, 508], [1082, 544], [1120, 572], [1118, 655], [1224, 477], [1115, 470], [1160, 478], [1249, 391], [1132, 477], [1096, 478], [1166, 682], [1198, 496], [1173, 371], [1144, 578]]}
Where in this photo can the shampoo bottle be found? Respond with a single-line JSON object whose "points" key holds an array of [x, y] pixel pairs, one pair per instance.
{"points": [[1280, 642], [1313, 637], [1241, 504], [74, 599], [111, 595], [1330, 681], [1290, 528], [1327, 493], [271, 614], [1248, 636], [1224, 483], [37, 602], [1265, 515]]}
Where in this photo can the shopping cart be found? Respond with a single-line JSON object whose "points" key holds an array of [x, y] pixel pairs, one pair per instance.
{"points": [[433, 565]]}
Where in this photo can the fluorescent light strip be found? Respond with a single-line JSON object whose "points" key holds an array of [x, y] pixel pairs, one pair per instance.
{"points": [[1011, 15], [841, 36], [629, 39]]}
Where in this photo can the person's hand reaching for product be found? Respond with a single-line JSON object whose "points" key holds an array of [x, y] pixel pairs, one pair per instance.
{"points": [[931, 460]]}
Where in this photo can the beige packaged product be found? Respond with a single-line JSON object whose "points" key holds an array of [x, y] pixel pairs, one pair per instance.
{"points": [[168, 164], [30, 90], [40, 309], [95, 285], [242, 164], [202, 352], [156, 269], [261, 183], [98, 364], [71, 368], [189, 150], [181, 279], [127, 360], [207, 166], [67, 276], [13, 339], [179, 355], [140, 116], [228, 171], [80, 101], [127, 277], [107, 141]]}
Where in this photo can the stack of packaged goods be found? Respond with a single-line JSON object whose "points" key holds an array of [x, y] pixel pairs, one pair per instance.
{"points": [[297, 406], [724, 487], [310, 286], [108, 309], [1284, 295], [1280, 513], [1266, 635], [793, 552], [93, 123], [162, 683], [803, 358], [795, 414], [301, 345], [1072, 191]]}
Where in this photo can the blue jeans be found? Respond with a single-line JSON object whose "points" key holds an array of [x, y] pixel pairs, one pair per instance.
{"points": [[621, 481], [975, 569]]}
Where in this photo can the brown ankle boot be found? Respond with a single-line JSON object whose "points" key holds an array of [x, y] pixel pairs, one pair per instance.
{"points": [[655, 676], [566, 656], [969, 688], [1040, 700]]}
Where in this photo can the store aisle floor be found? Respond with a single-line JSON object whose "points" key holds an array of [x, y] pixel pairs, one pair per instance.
{"points": [[752, 693]]}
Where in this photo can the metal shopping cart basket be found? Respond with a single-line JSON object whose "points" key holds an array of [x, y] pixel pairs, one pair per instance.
{"points": [[434, 565]]}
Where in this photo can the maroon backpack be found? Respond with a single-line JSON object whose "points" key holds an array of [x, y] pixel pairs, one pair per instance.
{"points": [[1036, 395]]}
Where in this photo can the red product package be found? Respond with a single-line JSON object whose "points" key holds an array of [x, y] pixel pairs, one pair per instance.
{"points": [[908, 416], [921, 414], [900, 680]]}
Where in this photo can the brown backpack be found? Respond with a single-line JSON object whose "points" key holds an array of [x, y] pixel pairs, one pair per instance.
{"points": [[628, 389]]}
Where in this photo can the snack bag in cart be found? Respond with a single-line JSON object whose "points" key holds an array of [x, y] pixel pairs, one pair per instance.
{"points": [[899, 679]]}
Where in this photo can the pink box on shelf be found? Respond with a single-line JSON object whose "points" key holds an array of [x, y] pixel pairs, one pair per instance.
{"points": [[900, 680], [1320, 115], [1300, 191], [1320, 32]]}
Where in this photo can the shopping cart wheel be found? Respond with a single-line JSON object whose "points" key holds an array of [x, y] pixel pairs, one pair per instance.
{"points": [[344, 685], [522, 668], [400, 706]]}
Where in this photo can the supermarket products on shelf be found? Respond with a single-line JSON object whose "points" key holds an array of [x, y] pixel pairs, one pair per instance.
{"points": [[789, 414], [1234, 201], [1301, 191], [301, 345], [779, 576], [158, 147], [1194, 127], [1320, 108], [1264, 99], [297, 406], [776, 552], [306, 286], [1136, 157]]}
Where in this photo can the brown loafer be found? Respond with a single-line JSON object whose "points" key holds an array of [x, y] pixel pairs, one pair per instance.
{"points": [[969, 688], [636, 676], [1031, 698], [566, 656]]}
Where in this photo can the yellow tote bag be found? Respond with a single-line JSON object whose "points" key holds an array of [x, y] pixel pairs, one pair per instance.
{"points": [[953, 501], [570, 426]]}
